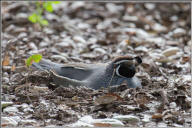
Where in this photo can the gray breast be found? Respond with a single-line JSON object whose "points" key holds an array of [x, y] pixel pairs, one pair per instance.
{"points": [[99, 78]]}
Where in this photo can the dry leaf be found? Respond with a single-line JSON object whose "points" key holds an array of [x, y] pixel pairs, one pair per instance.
{"points": [[6, 60], [141, 98], [41, 89], [127, 42], [10, 114], [115, 95], [185, 59], [75, 98], [106, 99], [4, 125], [13, 67], [170, 51], [157, 116], [168, 117], [163, 59], [102, 125], [145, 65]]}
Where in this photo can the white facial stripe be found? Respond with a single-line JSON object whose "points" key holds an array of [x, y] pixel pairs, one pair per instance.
{"points": [[117, 71]]}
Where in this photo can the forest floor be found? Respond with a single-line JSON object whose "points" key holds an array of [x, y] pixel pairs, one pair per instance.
{"points": [[91, 32]]}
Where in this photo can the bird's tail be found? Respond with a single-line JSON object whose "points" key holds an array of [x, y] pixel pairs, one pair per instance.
{"points": [[55, 70]]}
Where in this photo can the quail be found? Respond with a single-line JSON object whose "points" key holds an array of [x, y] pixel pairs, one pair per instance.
{"points": [[121, 69]]}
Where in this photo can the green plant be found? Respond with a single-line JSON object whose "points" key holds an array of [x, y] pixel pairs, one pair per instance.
{"points": [[34, 58], [41, 6]]}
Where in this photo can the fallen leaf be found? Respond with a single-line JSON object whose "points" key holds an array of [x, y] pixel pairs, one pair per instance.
{"points": [[170, 51], [106, 99], [115, 95], [4, 125], [40, 89], [127, 42], [13, 67], [75, 98], [141, 98], [145, 65], [168, 117], [6, 60], [185, 59], [102, 125], [157, 116], [10, 114]]}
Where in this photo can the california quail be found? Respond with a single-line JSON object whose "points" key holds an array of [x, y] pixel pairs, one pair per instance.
{"points": [[121, 69]]}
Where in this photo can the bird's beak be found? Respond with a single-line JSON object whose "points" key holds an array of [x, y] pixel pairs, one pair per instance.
{"points": [[137, 60]]}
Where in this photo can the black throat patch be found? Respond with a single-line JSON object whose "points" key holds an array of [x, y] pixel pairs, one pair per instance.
{"points": [[127, 70]]}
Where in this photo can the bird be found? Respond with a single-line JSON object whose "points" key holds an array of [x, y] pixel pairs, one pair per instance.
{"points": [[96, 75]]}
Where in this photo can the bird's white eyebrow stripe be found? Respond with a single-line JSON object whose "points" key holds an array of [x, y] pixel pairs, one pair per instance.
{"points": [[121, 61]]}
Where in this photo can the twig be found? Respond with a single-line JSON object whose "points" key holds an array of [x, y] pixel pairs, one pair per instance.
{"points": [[164, 96]]}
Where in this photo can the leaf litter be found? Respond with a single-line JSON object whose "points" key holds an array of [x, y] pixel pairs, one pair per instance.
{"points": [[97, 32]]}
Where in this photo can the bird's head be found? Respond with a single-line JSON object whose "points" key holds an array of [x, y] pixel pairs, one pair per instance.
{"points": [[126, 66]]}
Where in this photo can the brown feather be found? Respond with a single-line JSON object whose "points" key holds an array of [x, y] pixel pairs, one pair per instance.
{"points": [[122, 58]]}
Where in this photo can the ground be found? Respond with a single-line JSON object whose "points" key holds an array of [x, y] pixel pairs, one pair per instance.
{"points": [[97, 32]]}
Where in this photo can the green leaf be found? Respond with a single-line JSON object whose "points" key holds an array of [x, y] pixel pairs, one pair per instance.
{"points": [[41, 6], [34, 58], [48, 6], [39, 18], [56, 2], [44, 22], [33, 18]]}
